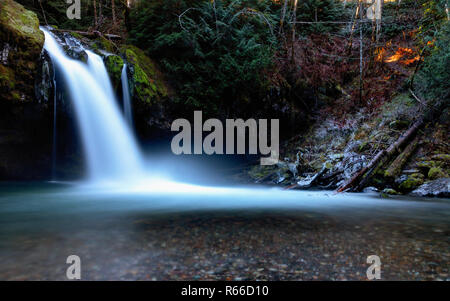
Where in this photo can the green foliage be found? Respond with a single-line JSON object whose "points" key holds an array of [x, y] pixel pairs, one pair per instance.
{"points": [[321, 11], [399, 18], [434, 17], [434, 77], [214, 53]]}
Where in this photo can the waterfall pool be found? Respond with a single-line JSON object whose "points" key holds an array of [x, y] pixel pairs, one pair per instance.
{"points": [[182, 231]]}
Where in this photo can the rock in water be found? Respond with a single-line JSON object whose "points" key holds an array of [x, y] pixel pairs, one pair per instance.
{"points": [[436, 188]]}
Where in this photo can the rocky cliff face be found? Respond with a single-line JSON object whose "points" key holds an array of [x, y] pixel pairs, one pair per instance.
{"points": [[25, 124], [21, 43]]}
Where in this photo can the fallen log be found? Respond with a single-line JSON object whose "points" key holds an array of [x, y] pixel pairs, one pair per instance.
{"points": [[396, 166], [393, 149], [90, 34]]}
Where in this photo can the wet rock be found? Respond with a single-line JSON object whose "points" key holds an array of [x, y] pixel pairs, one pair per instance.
{"points": [[4, 54], [77, 53], [72, 46], [436, 188], [305, 182], [21, 43], [44, 87], [390, 191], [312, 180], [370, 189], [399, 180]]}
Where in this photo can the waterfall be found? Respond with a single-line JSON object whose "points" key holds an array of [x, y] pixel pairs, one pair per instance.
{"points": [[110, 148], [126, 96], [54, 128]]}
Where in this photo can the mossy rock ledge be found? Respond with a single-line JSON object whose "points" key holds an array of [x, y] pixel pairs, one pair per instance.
{"points": [[21, 44], [147, 83], [114, 65]]}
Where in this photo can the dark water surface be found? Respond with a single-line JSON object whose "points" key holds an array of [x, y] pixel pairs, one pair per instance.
{"points": [[171, 231]]}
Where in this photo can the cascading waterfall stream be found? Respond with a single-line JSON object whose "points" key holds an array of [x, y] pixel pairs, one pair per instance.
{"points": [[126, 96], [54, 152], [111, 150]]}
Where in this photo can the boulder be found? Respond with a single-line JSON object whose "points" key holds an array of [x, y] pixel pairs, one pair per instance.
{"points": [[436, 188]]}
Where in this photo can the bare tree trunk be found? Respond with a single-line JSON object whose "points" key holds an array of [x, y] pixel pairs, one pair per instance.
{"points": [[95, 15], [100, 13], [113, 9], [293, 28], [353, 28], [379, 7], [283, 15], [90, 34], [399, 2], [43, 12]]}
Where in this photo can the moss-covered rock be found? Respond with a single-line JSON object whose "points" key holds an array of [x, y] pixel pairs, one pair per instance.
{"points": [[390, 191], [102, 43], [412, 182], [114, 65], [436, 173], [147, 82], [21, 43], [441, 157]]}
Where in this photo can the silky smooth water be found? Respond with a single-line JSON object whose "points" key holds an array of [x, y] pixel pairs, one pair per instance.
{"points": [[168, 228], [126, 96], [33, 205], [110, 148]]}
